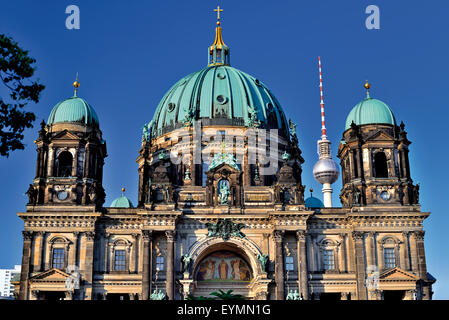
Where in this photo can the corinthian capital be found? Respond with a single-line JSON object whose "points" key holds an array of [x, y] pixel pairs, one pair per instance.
{"points": [[278, 235], [147, 235], [27, 235], [357, 235], [301, 235], [419, 235], [170, 234]]}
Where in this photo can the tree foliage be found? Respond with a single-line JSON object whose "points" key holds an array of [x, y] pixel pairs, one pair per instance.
{"points": [[220, 294], [16, 70]]}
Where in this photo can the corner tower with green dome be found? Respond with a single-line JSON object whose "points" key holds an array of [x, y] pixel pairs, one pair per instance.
{"points": [[374, 157], [71, 154]]}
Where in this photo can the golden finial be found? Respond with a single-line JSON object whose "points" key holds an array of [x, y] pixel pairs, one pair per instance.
{"points": [[76, 84], [367, 86], [218, 10], [123, 190]]}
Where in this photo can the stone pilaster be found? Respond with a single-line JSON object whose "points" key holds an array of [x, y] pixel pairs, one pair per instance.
{"points": [[88, 265], [38, 251], [406, 250], [279, 264], [302, 264], [169, 283], [419, 237], [342, 252], [359, 264], [26, 256], [135, 257], [147, 264]]}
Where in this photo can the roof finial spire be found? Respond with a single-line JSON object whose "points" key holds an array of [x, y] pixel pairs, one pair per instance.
{"points": [[76, 84], [123, 191], [367, 86], [218, 51], [218, 10]]}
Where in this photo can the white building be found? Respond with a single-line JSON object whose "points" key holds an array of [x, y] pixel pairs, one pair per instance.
{"points": [[6, 276]]}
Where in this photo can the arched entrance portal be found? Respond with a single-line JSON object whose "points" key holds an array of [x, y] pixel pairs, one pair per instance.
{"points": [[223, 267]]}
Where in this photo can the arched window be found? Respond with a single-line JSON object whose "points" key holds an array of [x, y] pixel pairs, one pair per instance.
{"points": [[204, 169], [380, 165], [64, 164]]}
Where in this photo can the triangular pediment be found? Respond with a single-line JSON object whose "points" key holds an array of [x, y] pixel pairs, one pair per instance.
{"points": [[224, 167], [380, 136], [52, 274], [397, 274], [66, 135]]}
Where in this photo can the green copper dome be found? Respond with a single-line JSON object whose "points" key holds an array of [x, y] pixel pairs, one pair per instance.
{"points": [[122, 202], [312, 202], [74, 109], [219, 95], [370, 111]]}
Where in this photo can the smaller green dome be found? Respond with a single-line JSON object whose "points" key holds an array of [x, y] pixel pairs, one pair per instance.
{"points": [[122, 202], [370, 111], [73, 109], [312, 202]]}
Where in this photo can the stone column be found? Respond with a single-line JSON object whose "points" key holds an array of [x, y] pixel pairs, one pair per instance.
{"points": [[360, 265], [413, 253], [406, 250], [169, 282], [26, 256], [419, 238], [310, 253], [369, 250], [147, 259], [279, 265], [88, 265], [302, 264]]}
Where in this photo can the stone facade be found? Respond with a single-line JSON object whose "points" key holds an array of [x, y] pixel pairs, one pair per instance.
{"points": [[82, 250]]}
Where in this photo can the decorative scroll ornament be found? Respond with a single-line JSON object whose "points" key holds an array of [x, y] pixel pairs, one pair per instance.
{"points": [[225, 229]]}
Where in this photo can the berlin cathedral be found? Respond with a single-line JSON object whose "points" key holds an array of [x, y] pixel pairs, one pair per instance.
{"points": [[221, 203]]}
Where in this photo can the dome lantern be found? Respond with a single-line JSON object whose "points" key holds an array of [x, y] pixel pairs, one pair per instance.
{"points": [[218, 52]]}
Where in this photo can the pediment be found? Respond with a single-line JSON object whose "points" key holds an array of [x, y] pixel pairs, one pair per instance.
{"points": [[66, 135], [397, 274], [51, 275], [379, 136], [224, 167]]}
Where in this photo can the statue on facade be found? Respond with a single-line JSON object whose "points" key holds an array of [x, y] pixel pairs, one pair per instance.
{"points": [[293, 295], [146, 132], [189, 118], [356, 194], [158, 295], [32, 195], [252, 121], [186, 260], [416, 194], [224, 193], [263, 260]]}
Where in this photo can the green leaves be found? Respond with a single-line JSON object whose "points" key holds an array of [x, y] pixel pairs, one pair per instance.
{"points": [[16, 69], [220, 294]]}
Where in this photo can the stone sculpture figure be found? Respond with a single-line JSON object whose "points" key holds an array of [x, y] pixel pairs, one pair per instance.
{"points": [[263, 260], [32, 195]]}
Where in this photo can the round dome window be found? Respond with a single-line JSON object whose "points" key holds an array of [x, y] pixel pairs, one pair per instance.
{"points": [[171, 106], [221, 99]]}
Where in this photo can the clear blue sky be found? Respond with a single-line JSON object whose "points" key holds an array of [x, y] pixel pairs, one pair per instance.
{"points": [[128, 54]]}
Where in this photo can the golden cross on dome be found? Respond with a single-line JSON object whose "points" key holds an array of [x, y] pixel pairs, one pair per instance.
{"points": [[218, 10]]}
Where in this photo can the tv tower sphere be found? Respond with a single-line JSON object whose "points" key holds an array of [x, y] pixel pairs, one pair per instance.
{"points": [[326, 171]]}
